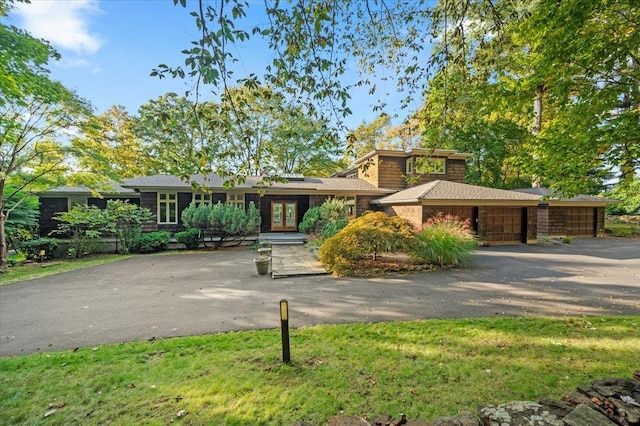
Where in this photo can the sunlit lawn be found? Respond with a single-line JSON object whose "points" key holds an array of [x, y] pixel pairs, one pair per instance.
{"points": [[423, 368]]}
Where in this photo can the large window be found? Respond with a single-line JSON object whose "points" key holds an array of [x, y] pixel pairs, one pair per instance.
{"points": [[200, 198], [426, 166], [167, 207], [236, 198]]}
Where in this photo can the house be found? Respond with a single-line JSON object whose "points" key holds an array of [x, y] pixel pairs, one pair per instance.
{"points": [[62, 198], [414, 184]]}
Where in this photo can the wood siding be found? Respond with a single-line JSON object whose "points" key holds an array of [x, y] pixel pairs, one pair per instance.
{"points": [[390, 172], [48, 207]]}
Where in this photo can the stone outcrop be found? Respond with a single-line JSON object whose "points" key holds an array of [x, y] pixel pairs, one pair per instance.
{"points": [[608, 402]]}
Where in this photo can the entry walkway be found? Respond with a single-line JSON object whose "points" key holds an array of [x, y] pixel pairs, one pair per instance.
{"points": [[294, 260]]}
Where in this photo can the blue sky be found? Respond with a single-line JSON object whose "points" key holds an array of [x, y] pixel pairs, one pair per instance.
{"points": [[109, 48]]}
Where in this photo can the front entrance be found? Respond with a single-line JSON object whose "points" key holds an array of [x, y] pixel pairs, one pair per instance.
{"points": [[283, 216]]}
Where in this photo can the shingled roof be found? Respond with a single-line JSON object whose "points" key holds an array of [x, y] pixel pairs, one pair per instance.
{"points": [[548, 195], [446, 191], [322, 184]]}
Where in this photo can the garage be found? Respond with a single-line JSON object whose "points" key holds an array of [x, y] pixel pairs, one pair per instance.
{"points": [[497, 216]]}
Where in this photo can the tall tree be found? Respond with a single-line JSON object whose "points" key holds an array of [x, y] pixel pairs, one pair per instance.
{"points": [[579, 58], [108, 147], [33, 111], [180, 135]]}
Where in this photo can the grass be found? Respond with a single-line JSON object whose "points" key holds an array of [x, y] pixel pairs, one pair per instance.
{"points": [[422, 368], [30, 271]]}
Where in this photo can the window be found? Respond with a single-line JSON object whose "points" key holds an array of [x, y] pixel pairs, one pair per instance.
{"points": [[408, 166], [201, 198], [427, 166], [236, 198], [167, 207]]}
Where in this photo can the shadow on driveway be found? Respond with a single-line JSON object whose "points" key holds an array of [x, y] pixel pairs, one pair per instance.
{"points": [[167, 295]]}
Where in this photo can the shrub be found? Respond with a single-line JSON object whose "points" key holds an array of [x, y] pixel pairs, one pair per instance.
{"points": [[85, 224], [125, 222], [31, 248], [325, 220], [445, 240], [222, 220], [153, 241], [366, 236], [190, 238]]}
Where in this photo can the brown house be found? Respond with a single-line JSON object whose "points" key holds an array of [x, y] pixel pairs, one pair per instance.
{"points": [[415, 185]]}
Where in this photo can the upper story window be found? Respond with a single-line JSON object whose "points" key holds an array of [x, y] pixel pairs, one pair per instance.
{"points": [[167, 207], [236, 198], [201, 198], [426, 166]]}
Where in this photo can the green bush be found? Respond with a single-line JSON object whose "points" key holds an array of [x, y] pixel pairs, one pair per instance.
{"points": [[365, 237], [223, 221], [153, 241], [445, 240], [31, 248], [190, 238], [325, 220]]}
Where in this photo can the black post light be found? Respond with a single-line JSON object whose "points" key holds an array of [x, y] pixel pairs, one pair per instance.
{"points": [[284, 326]]}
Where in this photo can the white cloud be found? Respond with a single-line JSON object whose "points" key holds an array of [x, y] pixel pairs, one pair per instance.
{"points": [[74, 63], [64, 23]]}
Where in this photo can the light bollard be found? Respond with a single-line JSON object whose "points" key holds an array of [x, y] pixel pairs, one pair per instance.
{"points": [[284, 326]]}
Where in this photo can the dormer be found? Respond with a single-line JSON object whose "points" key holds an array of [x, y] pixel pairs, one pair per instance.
{"points": [[404, 169]]}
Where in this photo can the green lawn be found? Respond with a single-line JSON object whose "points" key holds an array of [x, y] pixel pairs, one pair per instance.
{"points": [[30, 271], [422, 368]]}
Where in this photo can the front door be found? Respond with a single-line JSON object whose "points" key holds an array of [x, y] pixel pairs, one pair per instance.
{"points": [[283, 216]]}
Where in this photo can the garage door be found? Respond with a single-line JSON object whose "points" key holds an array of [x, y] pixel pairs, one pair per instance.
{"points": [[581, 221], [505, 224]]}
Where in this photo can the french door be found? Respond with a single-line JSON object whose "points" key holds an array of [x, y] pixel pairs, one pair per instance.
{"points": [[283, 216]]}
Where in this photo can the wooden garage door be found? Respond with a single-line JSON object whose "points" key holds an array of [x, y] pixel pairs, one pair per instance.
{"points": [[504, 224], [580, 221]]}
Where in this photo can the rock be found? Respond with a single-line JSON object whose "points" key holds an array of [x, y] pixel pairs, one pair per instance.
{"points": [[627, 411], [462, 419], [583, 415], [559, 408], [381, 420], [616, 387], [518, 413], [415, 422], [347, 421], [181, 414]]}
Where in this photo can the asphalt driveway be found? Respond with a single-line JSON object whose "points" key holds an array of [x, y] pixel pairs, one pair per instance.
{"points": [[168, 295]]}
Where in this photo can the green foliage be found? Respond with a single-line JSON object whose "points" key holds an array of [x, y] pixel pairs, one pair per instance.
{"points": [[444, 240], [31, 248], [190, 238], [125, 221], [85, 224], [628, 193], [34, 110], [310, 221], [222, 221], [22, 222], [326, 220], [153, 241], [366, 236]]}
